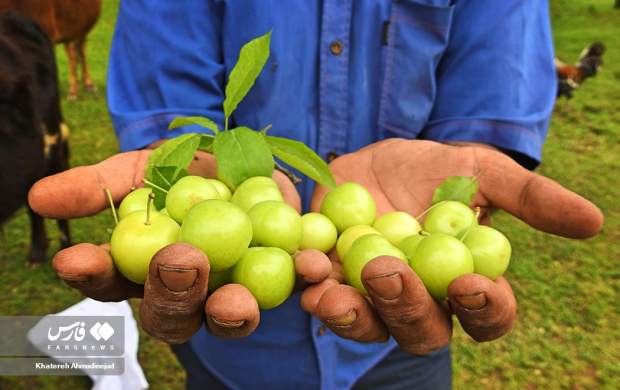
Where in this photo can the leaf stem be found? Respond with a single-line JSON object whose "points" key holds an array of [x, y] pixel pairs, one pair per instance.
{"points": [[108, 194], [226, 124], [145, 181], [291, 176]]}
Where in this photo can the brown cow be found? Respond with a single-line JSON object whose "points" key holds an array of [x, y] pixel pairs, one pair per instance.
{"points": [[67, 22]]}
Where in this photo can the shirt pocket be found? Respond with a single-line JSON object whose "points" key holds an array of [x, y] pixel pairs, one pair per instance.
{"points": [[417, 37]]}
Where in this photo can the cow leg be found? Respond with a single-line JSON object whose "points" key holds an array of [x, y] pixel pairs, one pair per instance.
{"points": [[38, 238], [70, 48], [88, 82], [65, 233]]}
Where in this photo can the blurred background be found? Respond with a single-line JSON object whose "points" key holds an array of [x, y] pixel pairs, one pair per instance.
{"points": [[568, 330]]}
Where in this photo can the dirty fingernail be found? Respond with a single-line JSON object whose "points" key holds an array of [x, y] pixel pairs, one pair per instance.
{"points": [[177, 279], [388, 286], [227, 324], [472, 302], [344, 320]]}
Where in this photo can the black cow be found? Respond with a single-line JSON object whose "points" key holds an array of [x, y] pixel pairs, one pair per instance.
{"points": [[33, 143]]}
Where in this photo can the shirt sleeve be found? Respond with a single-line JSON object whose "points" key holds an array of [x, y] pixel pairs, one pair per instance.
{"points": [[165, 62], [496, 82]]}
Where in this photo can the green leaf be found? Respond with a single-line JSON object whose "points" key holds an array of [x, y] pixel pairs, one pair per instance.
{"points": [[206, 143], [302, 158], [194, 120], [252, 59], [175, 152], [241, 153], [459, 188], [164, 178]]}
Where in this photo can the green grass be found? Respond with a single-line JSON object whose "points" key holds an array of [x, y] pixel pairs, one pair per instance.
{"points": [[567, 333]]}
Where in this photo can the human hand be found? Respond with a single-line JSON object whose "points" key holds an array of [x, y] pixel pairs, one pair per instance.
{"points": [[175, 302], [402, 175]]}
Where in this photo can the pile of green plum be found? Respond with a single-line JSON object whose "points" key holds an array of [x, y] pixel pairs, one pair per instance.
{"points": [[450, 243], [251, 235]]}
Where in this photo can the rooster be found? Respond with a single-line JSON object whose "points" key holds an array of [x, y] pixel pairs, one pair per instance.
{"points": [[572, 76]]}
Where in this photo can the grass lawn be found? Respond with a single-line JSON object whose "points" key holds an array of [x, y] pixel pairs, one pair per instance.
{"points": [[567, 333]]}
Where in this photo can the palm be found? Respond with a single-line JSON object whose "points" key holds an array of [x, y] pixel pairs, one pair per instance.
{"points": [[403, 175]]}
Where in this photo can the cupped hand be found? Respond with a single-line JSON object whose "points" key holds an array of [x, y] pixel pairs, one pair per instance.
{"points": [[402, 175], [175, 303]]}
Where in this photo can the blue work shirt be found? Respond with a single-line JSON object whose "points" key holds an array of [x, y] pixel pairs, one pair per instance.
{"points": [[342, 74]]}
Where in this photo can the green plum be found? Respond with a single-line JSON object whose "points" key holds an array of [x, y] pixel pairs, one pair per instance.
{"points": [[187, 192], [363, 250], [276, 224], [490, 250], [220, 229], [438, 260], [258, 181], [221, 188], [409, 245], [269, 274], [449, 217], [254, 191], [348, 205], [218, 279], [318, 232], [397, 225], [134, 242], [136, 200], [348, 237]]}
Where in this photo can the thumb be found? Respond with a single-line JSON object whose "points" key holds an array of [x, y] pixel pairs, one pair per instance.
{"points": [[80, 192], [537, 200]]}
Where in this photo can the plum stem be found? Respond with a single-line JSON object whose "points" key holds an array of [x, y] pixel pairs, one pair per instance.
{"points": [[428, 209], [108, 194], [149, 202], [476, 215], [265, 129]]}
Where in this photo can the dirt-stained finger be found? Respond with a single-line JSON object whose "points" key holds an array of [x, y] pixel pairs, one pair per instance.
{"points": [[416, 321], [90, 269], [348, 314], [232, 312], [175, 292], [312, 294], [486, 309]]}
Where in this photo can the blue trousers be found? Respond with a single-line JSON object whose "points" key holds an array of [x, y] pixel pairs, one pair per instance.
{"points": [[399, 370]]}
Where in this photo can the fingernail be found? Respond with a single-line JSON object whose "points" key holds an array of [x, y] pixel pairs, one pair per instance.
{"points": [[344, 320], [177, 279], [389, 286], [227, 324], [472, 302]]}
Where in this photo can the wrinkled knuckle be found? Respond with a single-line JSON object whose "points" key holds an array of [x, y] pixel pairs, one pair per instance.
{"points": [[490, 330], [172, 310], [404, 315], [165, 333]]}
